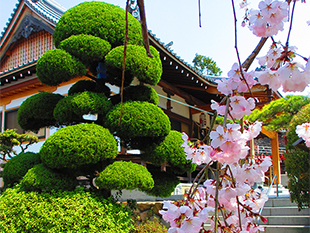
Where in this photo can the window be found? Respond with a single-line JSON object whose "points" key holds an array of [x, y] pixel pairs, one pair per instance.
{"points": [[11, 123]]}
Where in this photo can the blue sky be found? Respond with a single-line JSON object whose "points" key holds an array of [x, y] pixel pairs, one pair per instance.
{"points": [[177, 21]]}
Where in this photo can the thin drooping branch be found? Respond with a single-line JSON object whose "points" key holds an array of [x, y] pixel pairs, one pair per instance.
{"points": [[144, 28], [291, 24], [248, 62], [236, 47], [199, 9], [124, 60], [196, 178]]}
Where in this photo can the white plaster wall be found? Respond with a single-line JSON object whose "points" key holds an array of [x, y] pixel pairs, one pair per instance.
{"points": [[178, 108], [162, 101]]}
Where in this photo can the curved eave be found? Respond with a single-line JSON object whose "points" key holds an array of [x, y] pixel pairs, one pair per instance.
{"points": [[178, 60]]}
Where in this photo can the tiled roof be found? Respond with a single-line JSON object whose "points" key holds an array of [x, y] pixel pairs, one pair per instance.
{"points": [[19, 66], [48, 9], [209, 78], [52, 11]]}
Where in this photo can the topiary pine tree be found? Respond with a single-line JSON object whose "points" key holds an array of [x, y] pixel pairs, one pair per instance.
{"points": [[89, 41]]}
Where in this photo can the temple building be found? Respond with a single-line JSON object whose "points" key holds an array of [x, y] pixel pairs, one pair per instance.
{"points": [[184, 94]]}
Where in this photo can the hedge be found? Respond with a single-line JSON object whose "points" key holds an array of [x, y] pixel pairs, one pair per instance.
{"points": [[57, 66], [41, 178], [138, 64], [73, 146], [69, 211], [297, 161], [125, 175], [37, 111], [99, 19], [15, 168]]}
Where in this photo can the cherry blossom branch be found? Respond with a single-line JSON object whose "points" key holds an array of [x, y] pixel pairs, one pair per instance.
{"points": [[236, 46], [248, 62], [124, 60], [291, 24], [216, 196], [196, 178], [199, 9]]}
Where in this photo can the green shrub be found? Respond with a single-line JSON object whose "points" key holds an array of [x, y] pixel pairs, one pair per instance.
{"points": [[164, 183], [77, 145], [57, 66], [98, 19], [138, 64], [137, 93], [139, 119], [15, 168], [72, 108], [297, 161], [37, 111], [87, 48], [125, 175], [69, 211], [150, 226], [41, 178], [170, 150]]}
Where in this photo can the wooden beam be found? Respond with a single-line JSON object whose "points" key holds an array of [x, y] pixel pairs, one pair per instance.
{"points": [[269, 134], [276, 158], [206, 107], [190, 87], [188, 98]]}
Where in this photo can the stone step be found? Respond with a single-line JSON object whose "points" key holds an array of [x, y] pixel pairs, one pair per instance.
{"points": [[277, 202], [286, 229], [288, 220], [287, 210]]}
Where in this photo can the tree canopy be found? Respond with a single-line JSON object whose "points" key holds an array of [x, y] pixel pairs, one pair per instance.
{"points": [[278, 113], [206, 65]]}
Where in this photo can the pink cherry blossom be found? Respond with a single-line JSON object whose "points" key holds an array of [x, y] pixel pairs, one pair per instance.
{"points": [[218, 137], [303, 131]]}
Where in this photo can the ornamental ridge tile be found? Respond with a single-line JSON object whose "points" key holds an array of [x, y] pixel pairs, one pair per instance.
{"points": [[48, 9]]}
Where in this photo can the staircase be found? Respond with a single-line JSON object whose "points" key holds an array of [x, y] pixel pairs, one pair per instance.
{"points": [[284, 217]]}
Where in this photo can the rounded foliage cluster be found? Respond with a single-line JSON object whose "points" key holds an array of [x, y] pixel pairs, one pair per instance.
{"points": [[138, 64], [137, 93], [139, 119], [41, 178], [76, 145], [99, 19], [170, 150], [125, 175], [37, 111], [287, 107], [164, 183], [73, 107], [69, 211], [89, 49], [297, 161], [17, 167], [57, 66], [81, 86]]}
